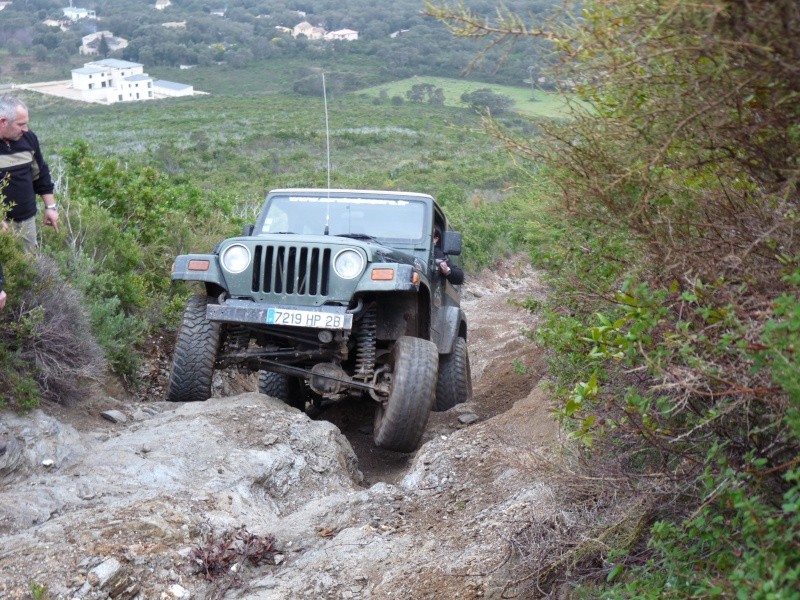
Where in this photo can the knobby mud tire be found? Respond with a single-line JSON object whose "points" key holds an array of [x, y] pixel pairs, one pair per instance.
{"points": [[283, 387], [454, 385], [195, 354], [401, 421]]}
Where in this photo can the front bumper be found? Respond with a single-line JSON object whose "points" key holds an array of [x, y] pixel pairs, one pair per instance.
{"points": [[252, 313]]}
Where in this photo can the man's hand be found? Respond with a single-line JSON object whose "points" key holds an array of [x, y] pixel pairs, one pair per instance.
{"points": [[3, 297], [4, 226], [444, 268], [51, 218]]}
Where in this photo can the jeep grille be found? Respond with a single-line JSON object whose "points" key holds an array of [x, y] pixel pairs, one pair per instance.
{"points": [[295, 270]]}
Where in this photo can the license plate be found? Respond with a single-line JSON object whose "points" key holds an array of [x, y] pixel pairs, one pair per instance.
{"points": [[309, 318]]}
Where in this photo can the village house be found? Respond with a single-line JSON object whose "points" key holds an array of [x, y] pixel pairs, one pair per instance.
{"points": [[162, 4], [307, 29], [62, 24], [90, 44], [347, 35], [318, 33], [76, 14], [175, 25]]}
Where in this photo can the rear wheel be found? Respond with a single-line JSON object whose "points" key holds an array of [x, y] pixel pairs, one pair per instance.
{"points": [[195, 354], [401, 420], [454, 384], [283, 387]]}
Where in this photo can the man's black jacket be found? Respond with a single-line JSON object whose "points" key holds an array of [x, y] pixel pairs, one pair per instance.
{"points": [[23, 174]]}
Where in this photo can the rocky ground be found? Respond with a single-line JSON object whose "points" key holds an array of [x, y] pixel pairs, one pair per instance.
{"points": [[243, 497]]}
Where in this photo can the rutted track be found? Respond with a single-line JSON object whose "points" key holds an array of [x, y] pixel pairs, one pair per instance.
{"points": [[78, 491]]}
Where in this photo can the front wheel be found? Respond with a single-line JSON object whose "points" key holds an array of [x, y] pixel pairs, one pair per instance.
{"points": [[454, 384], [401, 420], [195, 354], [283, 387]]}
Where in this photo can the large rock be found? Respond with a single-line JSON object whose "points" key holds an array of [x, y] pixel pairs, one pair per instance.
{"points": [[173, 480]]}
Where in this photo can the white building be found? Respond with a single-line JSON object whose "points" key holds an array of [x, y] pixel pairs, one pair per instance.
{"points": [[62, 24], [348, 35], [318, 33], [111, 80], [307, 29], [76, 14]]}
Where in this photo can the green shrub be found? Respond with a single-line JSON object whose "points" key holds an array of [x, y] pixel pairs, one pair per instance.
{"points": [[44, 350], [739, 544]]}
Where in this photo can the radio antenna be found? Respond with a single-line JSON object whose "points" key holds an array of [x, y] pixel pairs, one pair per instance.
{"points": [[327, 130], [328, 154]]}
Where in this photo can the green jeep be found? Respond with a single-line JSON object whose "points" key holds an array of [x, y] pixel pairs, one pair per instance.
{"points": [[331, 294]]}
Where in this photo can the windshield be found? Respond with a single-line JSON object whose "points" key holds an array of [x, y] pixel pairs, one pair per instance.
{"points": [[385, 219]]}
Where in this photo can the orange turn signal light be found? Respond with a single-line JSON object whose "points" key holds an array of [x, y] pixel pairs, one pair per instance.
{"points": [[382, 274], [415, 278], [199, 265]]}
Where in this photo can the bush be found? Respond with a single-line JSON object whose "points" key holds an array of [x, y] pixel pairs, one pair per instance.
{"points": [[121, 227], [45, 352], [485, 99]]}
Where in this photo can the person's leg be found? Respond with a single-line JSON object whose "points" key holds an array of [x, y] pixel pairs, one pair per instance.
{"points": [[27, 231]]}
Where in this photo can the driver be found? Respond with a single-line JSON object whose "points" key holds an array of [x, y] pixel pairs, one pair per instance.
{"points": [[452, 273]]}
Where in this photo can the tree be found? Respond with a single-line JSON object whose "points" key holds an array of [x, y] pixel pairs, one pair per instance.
{"points": [[40, 53], [103, 48], [485, 99], [425, 93]]}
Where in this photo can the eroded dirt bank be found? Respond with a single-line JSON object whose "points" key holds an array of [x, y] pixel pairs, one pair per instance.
{"points": [[91, 508]]}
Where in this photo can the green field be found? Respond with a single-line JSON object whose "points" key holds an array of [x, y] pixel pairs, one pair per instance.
{"points": [[531, 103]]}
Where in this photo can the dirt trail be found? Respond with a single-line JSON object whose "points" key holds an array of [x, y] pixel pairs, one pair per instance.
{"points": [[506, 366], [143, 492]]}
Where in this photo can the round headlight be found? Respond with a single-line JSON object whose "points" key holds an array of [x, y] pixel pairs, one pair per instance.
{"points": [[348, 264], [235, 258]]}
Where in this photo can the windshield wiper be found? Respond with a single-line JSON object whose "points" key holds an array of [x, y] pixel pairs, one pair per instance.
{"points": [[358, 236]]}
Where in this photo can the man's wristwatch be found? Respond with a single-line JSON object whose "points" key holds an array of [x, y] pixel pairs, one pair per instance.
{"points": [[52, 207]]}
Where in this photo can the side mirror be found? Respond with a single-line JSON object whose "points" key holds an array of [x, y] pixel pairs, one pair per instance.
{"points": [[451, 244], [248, 229]]}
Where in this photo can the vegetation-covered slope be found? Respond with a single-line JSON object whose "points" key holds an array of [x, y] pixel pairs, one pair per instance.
{"points": [[677, 315]]}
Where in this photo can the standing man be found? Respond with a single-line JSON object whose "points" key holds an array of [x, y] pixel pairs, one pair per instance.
{"points": [[24, 174]]}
